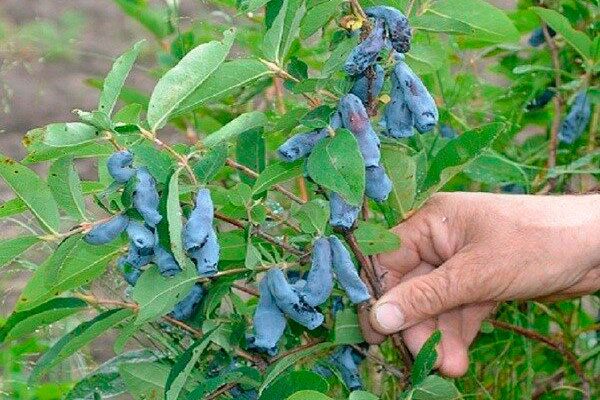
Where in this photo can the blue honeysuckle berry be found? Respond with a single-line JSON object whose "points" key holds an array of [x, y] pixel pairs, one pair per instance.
{"points": [[199, 224], [417, 97], [141, 237], [319, 282], [577, 119], [366, 52], [541, 100], [398, 119], [355, 118], [342, 215], [130, 273], [145, 197], [269, 322], [290, 302], [345, 363], [120, 166], [301, 145], [537, 37], [185, 308], [108, 231], [365, 88], [164, 260], [377, 184], [398, 27], [206, 257], [346, 272]]}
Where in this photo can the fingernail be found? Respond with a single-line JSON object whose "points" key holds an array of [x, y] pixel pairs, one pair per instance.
{"points": [[389, 316]]}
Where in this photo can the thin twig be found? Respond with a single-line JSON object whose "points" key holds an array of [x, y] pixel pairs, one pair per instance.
{"points": [[220, 391], [556, 345], [246, 289], [377, 360]]}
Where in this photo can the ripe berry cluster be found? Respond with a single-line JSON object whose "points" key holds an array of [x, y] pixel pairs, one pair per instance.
{"points": [[199, 238]]}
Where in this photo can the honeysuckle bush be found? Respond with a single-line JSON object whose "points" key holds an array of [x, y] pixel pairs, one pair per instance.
{"points": [[518, 102]]}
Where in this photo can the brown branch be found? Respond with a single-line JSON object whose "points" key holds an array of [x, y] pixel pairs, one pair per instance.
{"points": [[246, 289], [377, 360], [294, 350], [558, 105], [559, 346], [220, 391]]}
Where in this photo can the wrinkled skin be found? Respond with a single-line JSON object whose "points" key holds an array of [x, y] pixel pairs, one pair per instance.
{"points": [[199, 224], [269, 322], [120, 167], [377, 184], [342, 215], [462, 253], [398, 119], [145, 197], [366, 52], [346, 273], [141, 237], [164, 260], [108, 231], [206, 258], [398, 27], [417, 97], [290, 302], [364, 89], [355, 118], [319, 282], [576, 120], [185, 308]]}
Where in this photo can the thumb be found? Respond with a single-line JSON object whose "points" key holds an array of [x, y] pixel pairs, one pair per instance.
{"points": [[419, 299]]}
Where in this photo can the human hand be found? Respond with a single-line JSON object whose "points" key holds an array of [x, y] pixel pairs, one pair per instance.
{"points": [[462, 253]]}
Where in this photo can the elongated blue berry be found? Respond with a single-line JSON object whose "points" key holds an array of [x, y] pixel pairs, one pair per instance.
{"points": [[346, 273], [537, 36], [269, 322], [164, 260], [368, 89], [290, 302], [398, 119], [145, 197], [107, 231], [319, 282], [417, 97], [446, 131], [185, 308], [343, 360], [541, 100], [355, 118], [120, 167], [577, 119], [301, 144], [141, 237], [199, 224], [342, 215], [399, 31], [130, 273], [377, 184], [366, 52], [206, 257]]}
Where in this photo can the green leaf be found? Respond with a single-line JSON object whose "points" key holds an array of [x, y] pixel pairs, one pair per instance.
{"points": [[116, 78], [251, 5], [276, 173], [12, 248], [339, 55], [65, 134], [243, 375], [317, 16], [495, 169], [210, 164], [579, 40], [283, 364], [250, 152], [98, 119], [347, 329], [293, 381], [425, 58], [401, 168], [79, 146], [456, 155], [155, 20], [285, 28], [174, 216], [308, 395], [158, 162], [362, 395], [313, 216], [77, 338], [490, 24], [425, 360], [435, 388], [183, 367], [33, 191], [105, 380], [374, 238], [230, 76], [337, 164], [128, 115], [318, 118], [431, 22], [12, 207], [22, 323], [66, 187], [72, 264], [183, 79], [157, 295], [145, 380], [243, 123]]}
